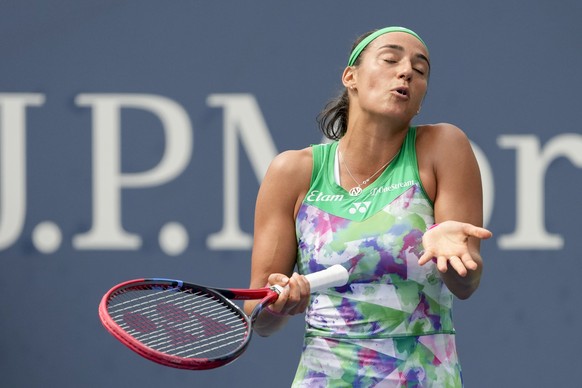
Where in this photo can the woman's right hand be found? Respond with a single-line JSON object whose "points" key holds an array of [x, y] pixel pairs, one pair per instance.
{"points": [[295, 296]]}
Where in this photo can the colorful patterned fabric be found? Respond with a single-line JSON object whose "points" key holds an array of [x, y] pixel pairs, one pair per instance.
{"points": [[423, 361], [391, 325]]}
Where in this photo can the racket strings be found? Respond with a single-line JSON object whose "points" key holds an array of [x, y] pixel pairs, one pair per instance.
{"points": [[208, 331], [184, 323]]}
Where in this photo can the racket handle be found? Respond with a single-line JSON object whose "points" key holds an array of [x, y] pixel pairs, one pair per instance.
{"points": [[334, 276]]}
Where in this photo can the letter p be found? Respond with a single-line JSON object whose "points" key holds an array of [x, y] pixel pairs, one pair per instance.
{"points": [[106, 231]]}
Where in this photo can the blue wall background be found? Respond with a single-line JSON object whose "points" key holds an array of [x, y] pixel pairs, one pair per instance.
{"points": [[499, 68]]}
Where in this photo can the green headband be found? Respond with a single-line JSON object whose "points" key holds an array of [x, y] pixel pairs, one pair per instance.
{"points": [[366, 41]]}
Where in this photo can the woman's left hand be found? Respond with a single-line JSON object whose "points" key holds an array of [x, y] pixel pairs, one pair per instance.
{"points": [[448, 243]]}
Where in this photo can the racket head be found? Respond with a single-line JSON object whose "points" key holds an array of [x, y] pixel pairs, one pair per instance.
{"points": [[176, 324]]}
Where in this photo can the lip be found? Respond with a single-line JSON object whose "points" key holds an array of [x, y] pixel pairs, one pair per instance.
{"points": [[402, 92]]}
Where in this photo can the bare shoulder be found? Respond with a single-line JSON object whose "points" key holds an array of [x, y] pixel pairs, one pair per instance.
{"points": [[293, 162], [289, 175], [440, 150], [442, 133], [292, 166], [440, 139]]}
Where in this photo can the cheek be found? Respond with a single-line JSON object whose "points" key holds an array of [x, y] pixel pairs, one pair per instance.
{"points": [[421, 93], [374, 79], [373, 83]]}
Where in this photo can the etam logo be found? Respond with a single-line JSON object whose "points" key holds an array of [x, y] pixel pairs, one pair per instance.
{"points": [[244, 124]]}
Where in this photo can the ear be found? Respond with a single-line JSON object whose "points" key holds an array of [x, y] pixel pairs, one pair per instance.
{"points": [[349, 77]]}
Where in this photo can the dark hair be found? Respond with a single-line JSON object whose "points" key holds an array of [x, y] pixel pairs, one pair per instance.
{"points": [[333, 119]]}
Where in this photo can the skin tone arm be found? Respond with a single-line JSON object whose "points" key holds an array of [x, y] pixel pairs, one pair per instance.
{"points": [[454, 182], [275, 246]]}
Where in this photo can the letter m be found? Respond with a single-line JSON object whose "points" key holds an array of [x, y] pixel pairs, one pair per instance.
{"points": [[242, 120]]}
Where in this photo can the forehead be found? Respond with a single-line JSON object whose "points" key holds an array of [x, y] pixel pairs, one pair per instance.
{"points": [[407, 41]]}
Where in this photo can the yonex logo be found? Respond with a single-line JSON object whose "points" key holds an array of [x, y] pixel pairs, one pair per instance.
{"points": [[360, 207]]}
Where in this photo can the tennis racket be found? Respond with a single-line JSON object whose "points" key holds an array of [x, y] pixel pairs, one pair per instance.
{"points": [[189, 326]]}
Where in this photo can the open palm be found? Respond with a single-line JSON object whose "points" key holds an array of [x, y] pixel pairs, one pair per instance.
{"points": [[448, 243]]}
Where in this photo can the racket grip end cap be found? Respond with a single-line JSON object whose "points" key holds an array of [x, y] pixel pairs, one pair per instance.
{"points": [[334, 276]]}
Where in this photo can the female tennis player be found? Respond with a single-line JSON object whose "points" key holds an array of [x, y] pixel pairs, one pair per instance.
{"points": [[399, 205]]}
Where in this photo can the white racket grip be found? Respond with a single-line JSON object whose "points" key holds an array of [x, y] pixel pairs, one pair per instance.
{"points": [[334, 276]]}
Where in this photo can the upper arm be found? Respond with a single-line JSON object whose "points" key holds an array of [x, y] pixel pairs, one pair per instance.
{"points": [[451, 177], [283, 188], [450, 174]]}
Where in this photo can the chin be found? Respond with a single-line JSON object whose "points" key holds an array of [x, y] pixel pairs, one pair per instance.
{"points": [[398, 114]]}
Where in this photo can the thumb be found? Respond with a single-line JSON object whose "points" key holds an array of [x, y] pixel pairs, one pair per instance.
{"points": [[279, 279], [478, 232]]}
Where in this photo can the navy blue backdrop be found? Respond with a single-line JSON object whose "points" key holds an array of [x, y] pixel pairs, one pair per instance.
{"points": [[134, 136]]}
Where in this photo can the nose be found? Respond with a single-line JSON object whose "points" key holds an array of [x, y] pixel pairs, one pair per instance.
{"points": [[405, 70]]}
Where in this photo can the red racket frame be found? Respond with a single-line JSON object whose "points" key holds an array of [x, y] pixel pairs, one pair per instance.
{"points": [[267, 296]]}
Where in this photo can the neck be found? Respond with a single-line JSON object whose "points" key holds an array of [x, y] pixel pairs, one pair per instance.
{"points": [[366, 149]]}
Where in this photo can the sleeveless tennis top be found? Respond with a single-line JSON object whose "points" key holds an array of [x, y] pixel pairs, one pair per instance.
{"points": [[391, 325], [377, 236]]}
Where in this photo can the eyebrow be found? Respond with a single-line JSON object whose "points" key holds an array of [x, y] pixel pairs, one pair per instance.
{"points": [[400, 48]]}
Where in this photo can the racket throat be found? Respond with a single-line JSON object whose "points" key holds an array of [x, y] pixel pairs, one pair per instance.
{"points": [[266, 301]]}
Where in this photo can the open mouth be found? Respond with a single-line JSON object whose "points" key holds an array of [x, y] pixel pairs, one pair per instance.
{"points": [[402, 91]]}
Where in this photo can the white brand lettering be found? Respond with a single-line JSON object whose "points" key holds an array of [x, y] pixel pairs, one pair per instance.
{"points": [[13, 163], [108, 180], [244, 123], [394, 186], [532, 163], [242, 117], [318, 196]]}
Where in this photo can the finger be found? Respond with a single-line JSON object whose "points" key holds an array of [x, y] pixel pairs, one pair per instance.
{"points": [[469, 262], [301, 285], [442, 264], [475, 231], [425, 258], [298, 290], [294, 290], [281, 301], [304, 284], [278, 278], [305, 293], [458, 265]]}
